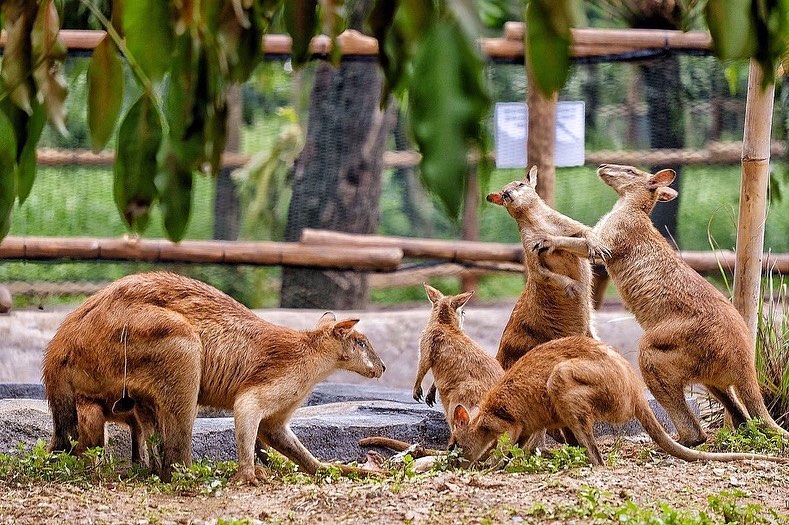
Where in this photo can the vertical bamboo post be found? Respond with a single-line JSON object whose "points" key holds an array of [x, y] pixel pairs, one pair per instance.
{"points": [[753, 197], [541, 139]]}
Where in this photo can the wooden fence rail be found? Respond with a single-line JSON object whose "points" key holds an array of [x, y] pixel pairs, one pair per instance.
{"points": [[212, 252]]}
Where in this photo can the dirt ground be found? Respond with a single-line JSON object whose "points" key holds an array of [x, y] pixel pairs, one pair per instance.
{"points": [[447, 497]]}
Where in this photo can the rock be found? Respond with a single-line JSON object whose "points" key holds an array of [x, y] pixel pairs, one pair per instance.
{"points": [[6, 301], [330, 432]]}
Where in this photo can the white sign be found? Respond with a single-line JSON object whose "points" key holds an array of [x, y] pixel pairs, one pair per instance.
{"points": [[511, 133]]}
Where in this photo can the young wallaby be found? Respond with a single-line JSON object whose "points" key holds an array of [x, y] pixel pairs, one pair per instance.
{"points": [[570, 382], [186, 344], [462, 370], [692, 333], [556, 300]]}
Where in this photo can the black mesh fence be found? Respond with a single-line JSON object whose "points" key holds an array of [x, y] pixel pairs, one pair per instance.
{"points": [[633, 111]]}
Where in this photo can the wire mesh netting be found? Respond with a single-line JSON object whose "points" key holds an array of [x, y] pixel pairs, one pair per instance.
{"points": [[675, 102]]}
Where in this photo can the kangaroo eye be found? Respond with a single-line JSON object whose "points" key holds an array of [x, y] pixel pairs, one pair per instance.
{"points": [[521, 184], [362, 343]]}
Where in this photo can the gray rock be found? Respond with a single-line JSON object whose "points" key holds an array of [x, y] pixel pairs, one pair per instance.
{"points": [[6, 301]]}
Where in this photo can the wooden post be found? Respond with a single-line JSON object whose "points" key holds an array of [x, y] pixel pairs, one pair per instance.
{"points": [[753, 197], [470, 227], [540, 143]]}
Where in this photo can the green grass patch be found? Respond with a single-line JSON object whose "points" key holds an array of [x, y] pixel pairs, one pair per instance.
{"points": [[512, 458], [593, 505], [750, 437]]}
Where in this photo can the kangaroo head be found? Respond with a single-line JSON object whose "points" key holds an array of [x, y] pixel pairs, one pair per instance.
{"points": [[447, 309], [474, 431], [633, 184], [354, 351], [519, 197]]}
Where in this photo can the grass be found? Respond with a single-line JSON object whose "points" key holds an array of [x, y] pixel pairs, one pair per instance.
{"points": [[597, 506], [772, 348], [750, 437]]}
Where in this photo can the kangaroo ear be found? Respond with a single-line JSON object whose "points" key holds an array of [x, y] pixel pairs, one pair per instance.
{"points": [[432, 294], [459, 300], [344, 328], [326, 319], [666, 194], [661, 179], [531, 177], [495, 198], [460, 416]]}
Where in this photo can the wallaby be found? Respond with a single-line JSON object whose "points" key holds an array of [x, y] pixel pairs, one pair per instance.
{"points": [[570, 382], [187, 343], [556, 300], [462, 370], [692, 333]]}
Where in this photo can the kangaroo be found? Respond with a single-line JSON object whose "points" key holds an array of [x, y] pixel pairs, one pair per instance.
{"points": [[692, 333], [463, 371], [187, 343], [556, 300], [570, 382]]}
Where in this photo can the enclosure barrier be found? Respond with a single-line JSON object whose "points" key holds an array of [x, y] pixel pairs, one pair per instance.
{"points": [[480, 252], [379, 259]]}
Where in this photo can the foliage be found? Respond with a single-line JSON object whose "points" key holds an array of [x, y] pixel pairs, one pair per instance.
{"points": [[599, 506], [750, 437], [36, 464], [516, 459], [203, 477], [772, 348]]}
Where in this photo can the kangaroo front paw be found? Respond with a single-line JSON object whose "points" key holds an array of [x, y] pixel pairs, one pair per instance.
{"points": [[418, 393], [430, 399], [542, 246], [573, 289]]}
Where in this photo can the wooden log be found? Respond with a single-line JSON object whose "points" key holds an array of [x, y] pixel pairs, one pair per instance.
{"points": [[630, 38], [210, 252], [753, 197], [714, 153], [419, 248]]}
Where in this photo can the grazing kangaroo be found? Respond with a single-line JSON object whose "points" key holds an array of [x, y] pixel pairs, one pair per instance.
{"points": [[187, 343], [556, 300], [570, 382], [692, 333]]}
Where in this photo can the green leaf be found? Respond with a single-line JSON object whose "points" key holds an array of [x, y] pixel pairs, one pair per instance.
{"points": [[139, 138], [149, 35], [7, 172], [48, 51], [175, 190], [733, 29], [547, 50], [105, 92], [18, 17], [26, 170], [301, 22], [247, 50], [447, 105], [186, 101]]}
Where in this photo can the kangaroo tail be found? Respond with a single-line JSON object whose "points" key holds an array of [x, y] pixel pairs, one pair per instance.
{"points": [[396, 445], [653, 427], [63, 405], [751, 396]]}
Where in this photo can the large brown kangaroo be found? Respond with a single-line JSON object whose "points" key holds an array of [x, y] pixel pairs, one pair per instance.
{"points": [[186, 344], [692, 333], [556, 300], [570, 382]]}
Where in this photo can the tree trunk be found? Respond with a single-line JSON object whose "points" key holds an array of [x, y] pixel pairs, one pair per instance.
{"points": [[337, 179], [227, 205], [665, 110]]}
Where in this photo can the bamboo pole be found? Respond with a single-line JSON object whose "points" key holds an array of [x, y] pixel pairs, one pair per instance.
{"points": [[490, 252], [587, 42], [541, 138], [753, 197], [208, 252]]}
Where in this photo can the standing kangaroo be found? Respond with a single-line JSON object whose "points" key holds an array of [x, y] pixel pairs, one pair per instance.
{"points": [[187, 343], [556, 300], [570, 382], [692, 333], [463, 371]]}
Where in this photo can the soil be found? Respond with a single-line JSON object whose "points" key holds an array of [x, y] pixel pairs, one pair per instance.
{"points": [[448, 497]]}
